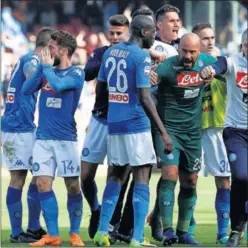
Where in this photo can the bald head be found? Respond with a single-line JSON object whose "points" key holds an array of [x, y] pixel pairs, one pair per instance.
{"points": [[191, 38], [189, 49]]}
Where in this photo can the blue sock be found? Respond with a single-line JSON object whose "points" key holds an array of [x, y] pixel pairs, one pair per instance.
{"points": [[50, 211], [141, 197], [14, 205], [33, 208], [222, 207], [75, 209], [89, 189], [110, 198]]}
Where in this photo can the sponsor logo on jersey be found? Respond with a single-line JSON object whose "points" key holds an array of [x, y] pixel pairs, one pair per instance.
{"points": [[79, 72], [118, 97], [242, 80], [11, 89], [191, 93], [10, 98], [46, 86], [53, 102], [189, 79]]}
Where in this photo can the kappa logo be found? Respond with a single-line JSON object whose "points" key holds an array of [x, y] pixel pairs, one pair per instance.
{"points": [[189, 79], [242, 80], [147, 60]]}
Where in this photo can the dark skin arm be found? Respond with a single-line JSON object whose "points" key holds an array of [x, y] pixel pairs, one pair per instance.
{"points": [[151, 111]]}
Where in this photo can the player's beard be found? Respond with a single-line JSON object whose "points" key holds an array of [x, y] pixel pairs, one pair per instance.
{"points": [[187, 63], [56, 61]]}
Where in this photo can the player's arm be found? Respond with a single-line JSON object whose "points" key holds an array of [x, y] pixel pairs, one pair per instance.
{"points": [[93, 65], [144, 93], [220, 67], [73, 80], [33, 76]]}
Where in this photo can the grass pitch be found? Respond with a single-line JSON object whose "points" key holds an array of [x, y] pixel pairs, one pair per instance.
{"points": [[204, 213]]}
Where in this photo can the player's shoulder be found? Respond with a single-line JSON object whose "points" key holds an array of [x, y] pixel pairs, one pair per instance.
{"points": [[99, 51], [78, 70], [172, 61], [31, 57], [163, 47], [205, 59]]}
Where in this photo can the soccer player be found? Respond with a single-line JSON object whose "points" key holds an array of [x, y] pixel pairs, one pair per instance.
{"points": [[159, 51], [214, 157], [95, 143], [126, 70], [235, 134], [56, 148], [179, 106], [17, 125], [168, 22]]}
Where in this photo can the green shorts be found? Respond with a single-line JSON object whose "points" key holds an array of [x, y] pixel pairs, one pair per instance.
{"points": [[187, 153]]}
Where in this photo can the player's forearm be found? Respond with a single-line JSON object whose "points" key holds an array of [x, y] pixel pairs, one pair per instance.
{"points": [[151, 111], [55, 82], [220, 66], [33, 83]]}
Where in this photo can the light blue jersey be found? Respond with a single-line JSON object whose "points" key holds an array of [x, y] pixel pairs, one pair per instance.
{"points": [[126, 67], [19, 112], [60, 93]]}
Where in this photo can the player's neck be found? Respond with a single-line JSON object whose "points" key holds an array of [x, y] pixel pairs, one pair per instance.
{"points": [[164, 39], [136, 40], [64, 64]]}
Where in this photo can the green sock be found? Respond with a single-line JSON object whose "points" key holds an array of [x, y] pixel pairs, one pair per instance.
{"points": [[166, 201], [186, 202], [192, 225], [156, 210]]}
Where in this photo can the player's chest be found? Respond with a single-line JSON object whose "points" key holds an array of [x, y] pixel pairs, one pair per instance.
{"points": [[186, 85]]}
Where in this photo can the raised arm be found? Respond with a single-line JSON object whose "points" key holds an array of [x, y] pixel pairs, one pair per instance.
{"points": [[220, 67], [33, 73], [73, 80]]}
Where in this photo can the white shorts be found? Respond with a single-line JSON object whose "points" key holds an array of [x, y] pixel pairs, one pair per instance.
{"points": [[133, 149], [17, 150], [95, 143], [214, 158], [52, 155]]}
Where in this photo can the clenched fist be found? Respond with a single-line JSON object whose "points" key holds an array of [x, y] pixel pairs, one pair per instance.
{"points": [[207, 73]]}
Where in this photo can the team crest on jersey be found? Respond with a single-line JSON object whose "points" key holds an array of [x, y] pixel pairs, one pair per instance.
{"points": [[147, 70], [10, 98], [46, 86], [159, 48], [189, 79], [118, 97], [242, 80]]}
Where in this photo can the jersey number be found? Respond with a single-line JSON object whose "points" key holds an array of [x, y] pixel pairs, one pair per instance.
{"points": [[121, 83]]}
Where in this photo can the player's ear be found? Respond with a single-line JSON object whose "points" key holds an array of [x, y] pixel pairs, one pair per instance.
{"points": [[159, 24], [143, 32]]}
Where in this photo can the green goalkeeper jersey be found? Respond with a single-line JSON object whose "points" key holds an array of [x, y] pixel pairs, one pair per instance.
{"points": [[214, 104], [180, 94]]}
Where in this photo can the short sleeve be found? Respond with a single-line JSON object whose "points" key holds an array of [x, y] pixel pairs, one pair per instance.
{"points": [[143, 69], [101, 74]]}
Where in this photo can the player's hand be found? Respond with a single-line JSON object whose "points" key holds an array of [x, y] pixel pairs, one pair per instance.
{"points": [[153, 77], [46, 57], [207, 73], [168, 144], [159, 57]]}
